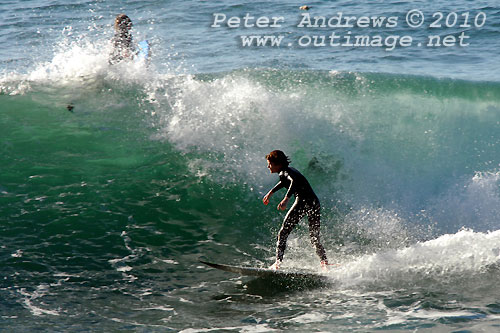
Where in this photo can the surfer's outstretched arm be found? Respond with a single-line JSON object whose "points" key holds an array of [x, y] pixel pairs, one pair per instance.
{"points": [[265, 200], [277, 187], [281, 206]]}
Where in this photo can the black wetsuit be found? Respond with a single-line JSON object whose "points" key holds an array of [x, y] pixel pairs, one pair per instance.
{"points": [[306, 203]]}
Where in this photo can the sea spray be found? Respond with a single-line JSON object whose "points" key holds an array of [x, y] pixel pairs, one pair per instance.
{"points": [[353, 122]]}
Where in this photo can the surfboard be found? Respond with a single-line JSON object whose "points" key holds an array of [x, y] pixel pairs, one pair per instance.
{"points": [[143, 51], [296, 276]]}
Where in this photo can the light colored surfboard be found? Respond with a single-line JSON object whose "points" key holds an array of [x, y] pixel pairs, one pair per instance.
{"points": [[143, 52]]}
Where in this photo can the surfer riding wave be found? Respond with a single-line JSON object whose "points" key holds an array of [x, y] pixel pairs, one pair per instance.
{"points": [[306, 203]]}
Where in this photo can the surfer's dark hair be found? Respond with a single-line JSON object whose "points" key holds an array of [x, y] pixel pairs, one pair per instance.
{"points": [[278, 157], [123, 23]]}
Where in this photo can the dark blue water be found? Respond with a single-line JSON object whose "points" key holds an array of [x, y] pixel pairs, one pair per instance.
{"points": [[106, 207]]}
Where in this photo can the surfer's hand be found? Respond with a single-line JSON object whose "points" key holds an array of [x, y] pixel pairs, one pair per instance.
{"points": [[265, 200], [282, 204]]}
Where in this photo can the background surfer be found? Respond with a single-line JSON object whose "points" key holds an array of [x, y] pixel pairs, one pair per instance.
{"points": [[306, 203], [123, 47]]}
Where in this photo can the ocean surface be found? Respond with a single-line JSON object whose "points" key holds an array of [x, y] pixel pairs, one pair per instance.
{"points": [[115, 180]]}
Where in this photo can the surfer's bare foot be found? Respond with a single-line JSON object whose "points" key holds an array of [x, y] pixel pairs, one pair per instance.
{"points": [[275, 266], [324, 265]]}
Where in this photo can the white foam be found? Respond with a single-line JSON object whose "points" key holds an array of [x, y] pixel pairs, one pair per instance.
{"points": [[75, 65], [247, 328], [310, 317], [450, 256], [31, 300]]}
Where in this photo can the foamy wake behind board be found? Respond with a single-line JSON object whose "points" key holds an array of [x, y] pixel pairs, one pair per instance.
{"points": [[143, 51], [283, 275]]}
